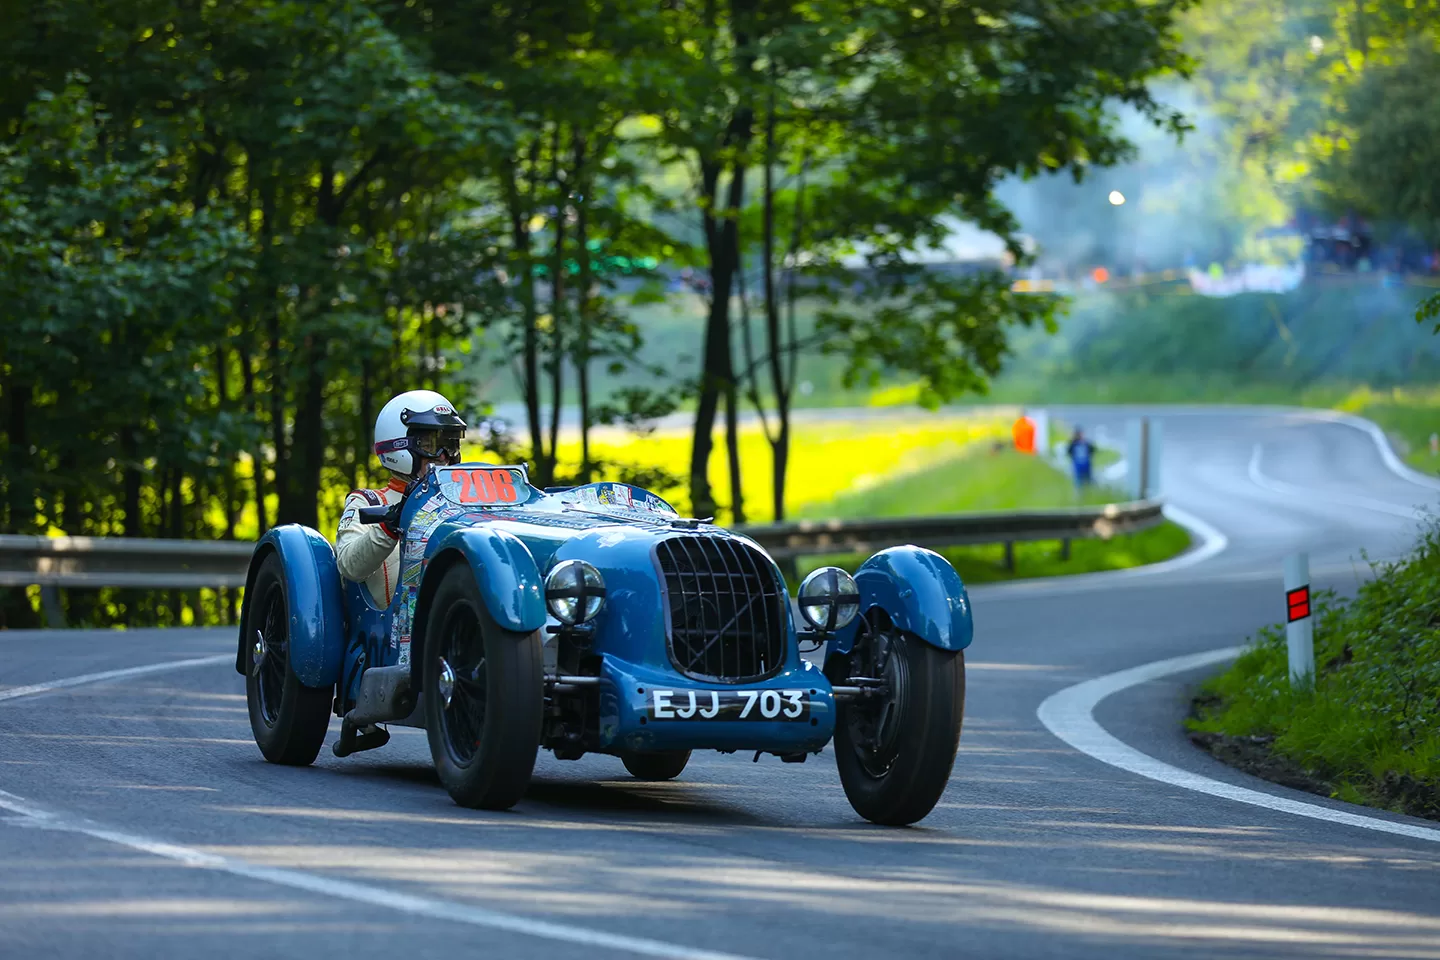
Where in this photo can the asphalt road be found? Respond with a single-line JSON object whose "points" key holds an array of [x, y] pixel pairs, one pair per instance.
{"points": [[1037, 850]]}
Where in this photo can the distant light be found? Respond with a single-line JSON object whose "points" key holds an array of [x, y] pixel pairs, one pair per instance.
{"points": [[1116, 197], [1099, 274]]}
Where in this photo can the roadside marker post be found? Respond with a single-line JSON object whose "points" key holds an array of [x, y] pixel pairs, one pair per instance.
{"points": [[1299, 625], [1142, 456]]}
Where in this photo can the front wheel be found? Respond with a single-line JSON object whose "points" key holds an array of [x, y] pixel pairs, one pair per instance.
{"points": [[288, 719], [484, 697], [895, 752], [660, 765]]}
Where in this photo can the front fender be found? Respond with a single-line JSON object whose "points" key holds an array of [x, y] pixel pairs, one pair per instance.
{"points": [[920, 592], [505, 570], [313, 597]]}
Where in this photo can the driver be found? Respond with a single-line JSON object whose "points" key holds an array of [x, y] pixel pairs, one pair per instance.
{"points": [[414, 430]]}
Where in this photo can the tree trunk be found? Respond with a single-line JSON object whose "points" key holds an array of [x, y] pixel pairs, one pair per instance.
{"points": [[20, 513], [284, 493], [582, 304], [521, 242], [302, 492], [227, 464], [366, 447], [717, 374], [257, 455], [557, 308], [130, 496]]}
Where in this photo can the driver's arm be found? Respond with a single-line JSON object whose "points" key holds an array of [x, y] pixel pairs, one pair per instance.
{"points": [[360, 548]]}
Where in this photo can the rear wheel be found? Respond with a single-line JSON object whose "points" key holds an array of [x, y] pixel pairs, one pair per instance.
{"points": [[660, 765], [484, 697], [288, 719], [895, 752]]}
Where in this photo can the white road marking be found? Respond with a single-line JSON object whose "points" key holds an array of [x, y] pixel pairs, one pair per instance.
{"points": [[1069, 715], [1258, 477], [358, 892], [31, 815], [15, 693], [1382, 442]]}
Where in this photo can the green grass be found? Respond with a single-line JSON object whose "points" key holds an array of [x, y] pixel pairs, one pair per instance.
{"points": [[1370, 727], [829, 460], [982, 479], [978, 479]]}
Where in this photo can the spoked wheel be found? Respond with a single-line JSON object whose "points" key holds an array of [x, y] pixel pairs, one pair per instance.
{"points": [[895, 749], [288, 719], [484, 697], [461, 684], [660, 765]]}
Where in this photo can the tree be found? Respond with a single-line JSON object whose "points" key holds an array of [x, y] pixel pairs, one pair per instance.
{"points": [[887, 121]]}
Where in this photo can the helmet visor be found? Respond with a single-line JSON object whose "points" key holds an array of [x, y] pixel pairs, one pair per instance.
{"points": [[434, 443]]}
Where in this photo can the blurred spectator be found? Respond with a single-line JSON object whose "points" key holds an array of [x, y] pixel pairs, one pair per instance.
{"points": [[1082, 454]]}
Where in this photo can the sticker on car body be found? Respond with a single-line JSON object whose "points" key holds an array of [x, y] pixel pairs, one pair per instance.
{"points": [[727, 704]]}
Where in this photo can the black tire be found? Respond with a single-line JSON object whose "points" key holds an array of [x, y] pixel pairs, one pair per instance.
{"points": [[660, 765], [484, 740], [896, 771], [288, 719]]}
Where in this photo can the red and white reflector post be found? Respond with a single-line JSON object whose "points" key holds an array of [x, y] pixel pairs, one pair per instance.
{"points": [[1299, 627]]}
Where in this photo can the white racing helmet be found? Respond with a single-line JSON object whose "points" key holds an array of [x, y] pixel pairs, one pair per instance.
{"points": [[417, 422]]}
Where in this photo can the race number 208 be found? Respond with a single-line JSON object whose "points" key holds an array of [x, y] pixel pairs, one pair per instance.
{"points": [[728, 704]]}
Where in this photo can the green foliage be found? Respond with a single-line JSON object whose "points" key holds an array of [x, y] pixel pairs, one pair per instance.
{"points": [[1371, 725], [229, 231], [1386, 167], [1167, 343], [1429, 309]]}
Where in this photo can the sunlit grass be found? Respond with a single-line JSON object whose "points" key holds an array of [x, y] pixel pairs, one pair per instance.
{"points": [[829, 459]]}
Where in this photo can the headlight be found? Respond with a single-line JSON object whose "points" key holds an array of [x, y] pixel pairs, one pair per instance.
{"points": [[829, 599], [574, 591]]}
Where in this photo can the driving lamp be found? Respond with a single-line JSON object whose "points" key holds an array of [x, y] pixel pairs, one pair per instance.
{"points": [[829, 599], [574, 591]]}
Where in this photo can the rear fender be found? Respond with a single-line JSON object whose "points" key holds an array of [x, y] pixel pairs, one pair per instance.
{"points": [[921, 594], [313, 597], [504, 569]]}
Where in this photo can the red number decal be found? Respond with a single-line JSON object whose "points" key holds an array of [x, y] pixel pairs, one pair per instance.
{"points": [[467, 487], [504, 485], [483, 487], [486, 486]]}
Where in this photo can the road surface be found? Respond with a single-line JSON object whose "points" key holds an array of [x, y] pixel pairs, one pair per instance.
{"points": [[137, 818]]}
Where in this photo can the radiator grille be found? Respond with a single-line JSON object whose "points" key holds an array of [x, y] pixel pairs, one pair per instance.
{"points": [[726, 606]]}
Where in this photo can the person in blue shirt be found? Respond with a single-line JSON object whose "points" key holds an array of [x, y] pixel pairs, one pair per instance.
{"points": [[1081, 453]]}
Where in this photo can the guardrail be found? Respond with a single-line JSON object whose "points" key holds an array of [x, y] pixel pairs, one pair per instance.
{"points": [[122, 562], [808, 537], [193, 564]]}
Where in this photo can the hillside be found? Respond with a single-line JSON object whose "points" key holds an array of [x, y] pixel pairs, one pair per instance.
{"points": [[1162, 342]]}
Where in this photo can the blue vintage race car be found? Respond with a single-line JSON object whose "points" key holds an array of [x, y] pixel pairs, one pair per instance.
{"points": [[595, 619]]}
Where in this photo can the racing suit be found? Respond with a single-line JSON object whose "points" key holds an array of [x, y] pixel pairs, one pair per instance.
{"points": [[366, 553]]}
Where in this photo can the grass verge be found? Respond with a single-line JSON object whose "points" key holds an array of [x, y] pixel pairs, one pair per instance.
{"points": [[1369, 730]]}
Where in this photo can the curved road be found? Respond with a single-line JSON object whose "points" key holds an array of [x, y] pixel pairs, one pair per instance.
{"points": [[137, 819]]}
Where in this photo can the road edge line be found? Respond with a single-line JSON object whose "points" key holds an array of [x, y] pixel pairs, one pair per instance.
{"points": [[34, 689], [1069, 715], [365, 893], [1285, 489], [412, 904]]}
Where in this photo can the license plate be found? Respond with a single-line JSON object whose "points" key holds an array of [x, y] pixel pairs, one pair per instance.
{"points": [[728, 705]]}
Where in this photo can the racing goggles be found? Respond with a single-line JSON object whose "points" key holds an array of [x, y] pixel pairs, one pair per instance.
{"points": [[429, 443], [434, 443]]}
